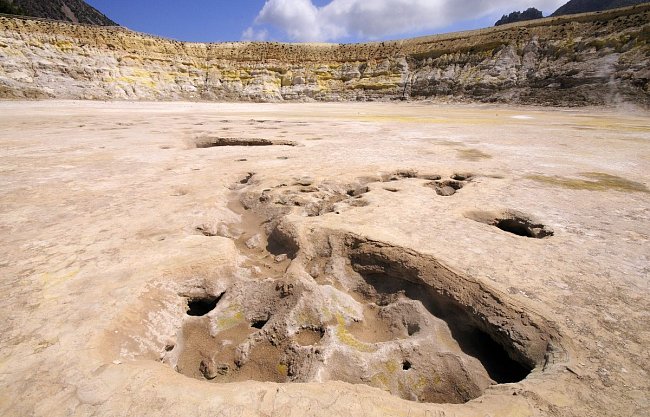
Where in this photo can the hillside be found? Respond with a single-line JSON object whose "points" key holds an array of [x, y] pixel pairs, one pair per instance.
{"points": [[585, 6], [575, 60], [8, 8], [75, 11]]}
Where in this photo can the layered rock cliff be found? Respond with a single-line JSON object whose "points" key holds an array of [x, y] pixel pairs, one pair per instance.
{"points": [[600, 58]]}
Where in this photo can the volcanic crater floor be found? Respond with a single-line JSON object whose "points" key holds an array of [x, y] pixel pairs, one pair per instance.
{"points": [[350, 311], [323, 259]]}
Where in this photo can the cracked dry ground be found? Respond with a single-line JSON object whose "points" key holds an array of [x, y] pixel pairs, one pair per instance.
{"points": [[321, 259]]}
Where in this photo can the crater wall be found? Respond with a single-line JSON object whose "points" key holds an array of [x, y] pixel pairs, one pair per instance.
{"points": [[591, 59]]}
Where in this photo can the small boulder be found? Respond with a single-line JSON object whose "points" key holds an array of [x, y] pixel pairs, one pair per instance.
{"points": [[254, 242], [284, 288], [445, 191], [305, 181], [207, 369]]}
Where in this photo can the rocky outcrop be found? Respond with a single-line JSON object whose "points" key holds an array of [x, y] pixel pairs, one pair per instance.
{"points": [[578, 60], [514, 17]]}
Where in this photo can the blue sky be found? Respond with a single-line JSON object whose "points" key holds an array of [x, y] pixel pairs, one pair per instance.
{"points": [[308, 20]]}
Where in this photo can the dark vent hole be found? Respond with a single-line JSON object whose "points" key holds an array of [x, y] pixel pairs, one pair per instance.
{"points": [[202, 306], [258, 324], [514, 227], [406, 365], [523, 228], [412, 328]]}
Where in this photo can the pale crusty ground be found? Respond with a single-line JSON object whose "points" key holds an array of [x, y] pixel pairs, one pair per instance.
{"points": [[99, 202]]}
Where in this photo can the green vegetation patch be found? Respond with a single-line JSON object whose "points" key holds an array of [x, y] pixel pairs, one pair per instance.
{"points": [[597, 181]]}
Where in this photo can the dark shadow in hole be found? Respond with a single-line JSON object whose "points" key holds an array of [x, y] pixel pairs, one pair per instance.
{"points": [[247, 178], [472, 340], [357, 191], [201, 306], [461, 177], [514, 227], [412, 328], [446, 188], [456, 185], [512, 221], [258, 324], [523, 228], [406, 365], [280, 243]]}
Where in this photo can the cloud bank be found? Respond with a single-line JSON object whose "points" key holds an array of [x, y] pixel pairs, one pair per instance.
{"points": [[303, 21]]}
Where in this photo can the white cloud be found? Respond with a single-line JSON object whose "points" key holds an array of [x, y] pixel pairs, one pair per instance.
{"points": [[252, 34], [301, 20]]}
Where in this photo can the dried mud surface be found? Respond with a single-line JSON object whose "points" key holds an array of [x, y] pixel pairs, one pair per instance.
{"points": [[323, 259]]}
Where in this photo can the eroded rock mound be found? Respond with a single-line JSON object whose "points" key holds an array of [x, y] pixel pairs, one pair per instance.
{"points": [[328, 305]]}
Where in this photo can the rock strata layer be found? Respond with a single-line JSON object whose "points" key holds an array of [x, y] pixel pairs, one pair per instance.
{"points": [[591, 59]]}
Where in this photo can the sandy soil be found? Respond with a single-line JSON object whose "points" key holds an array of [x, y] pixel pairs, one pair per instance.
{"points": [[113, 222]]}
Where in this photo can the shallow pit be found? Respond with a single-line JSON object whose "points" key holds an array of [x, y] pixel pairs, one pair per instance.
{"points": [[356, 191], [402, 173], [422, 332], [309, 336], [465, 329], [212, 142], [511, 221], [521, 227], [462, 176], [446, 188], [509, 350]]}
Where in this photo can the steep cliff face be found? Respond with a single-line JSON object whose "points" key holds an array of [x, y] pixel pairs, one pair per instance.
{"points": [[578, 60]]}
